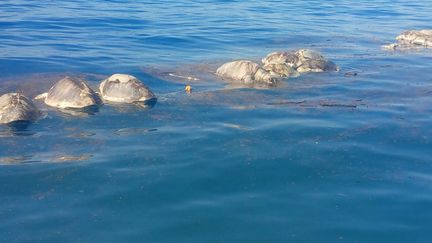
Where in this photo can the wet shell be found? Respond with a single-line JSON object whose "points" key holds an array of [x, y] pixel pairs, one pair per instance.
{"points": [[416, 37], [302, 61], [312, 61], [412, 39], [71, 93], [281, 69], [245, 71], [15, 107], [289, 58], [125, 88]]}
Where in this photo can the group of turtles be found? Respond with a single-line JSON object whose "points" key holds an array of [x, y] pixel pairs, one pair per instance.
{"points": [[275, 66], [75, 94]]}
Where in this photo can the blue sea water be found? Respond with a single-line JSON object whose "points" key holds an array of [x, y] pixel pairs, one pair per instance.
{"points": [[325, 157]]}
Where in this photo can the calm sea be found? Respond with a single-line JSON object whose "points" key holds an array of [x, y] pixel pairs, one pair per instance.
{"points": [[325, 157]]}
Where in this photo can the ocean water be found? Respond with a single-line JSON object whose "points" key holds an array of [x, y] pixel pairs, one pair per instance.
{"points": [[325, 157]]}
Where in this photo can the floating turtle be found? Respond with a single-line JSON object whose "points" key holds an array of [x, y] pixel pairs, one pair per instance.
{"points": [[70, 93], [412, 39], [302, 61], [281, 69], [16, 108], [123, 88], [312, 61], [247, 72], [289, 58]]}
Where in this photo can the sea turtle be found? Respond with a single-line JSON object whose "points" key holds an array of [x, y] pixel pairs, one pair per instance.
{"points": [[412, 39], [16, 108], [289, 58], [123, 88], [303, 60], [281, 69], [70, 93], [247, 72]]}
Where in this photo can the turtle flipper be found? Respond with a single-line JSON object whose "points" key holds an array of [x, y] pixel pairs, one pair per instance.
{"points": [[41, 96]]}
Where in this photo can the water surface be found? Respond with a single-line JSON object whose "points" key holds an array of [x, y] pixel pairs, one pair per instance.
{"points": [[323, 157]]}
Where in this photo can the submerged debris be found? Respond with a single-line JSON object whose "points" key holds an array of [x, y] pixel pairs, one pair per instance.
{"points": [[82, 134], [287, 102], [338, 105], [317, 103], [133, 131], [350, 74], [15, 159], [184, 77]]}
